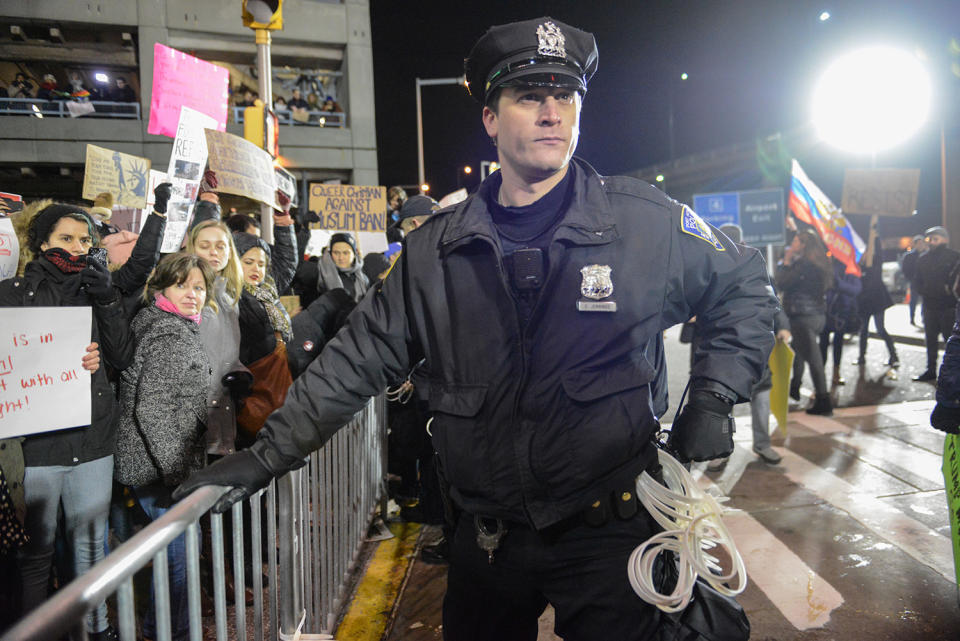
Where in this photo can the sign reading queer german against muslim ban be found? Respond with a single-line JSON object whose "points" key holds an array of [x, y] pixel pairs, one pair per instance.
{"points": [[122, 175], [181, 80], [43, 386], [355, 208], [242, 168]]}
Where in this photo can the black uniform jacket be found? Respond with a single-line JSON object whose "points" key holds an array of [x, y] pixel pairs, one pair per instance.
{"points": [[535, 426]]}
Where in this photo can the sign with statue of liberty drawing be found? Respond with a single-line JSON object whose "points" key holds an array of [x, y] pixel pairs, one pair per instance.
{"points": [[120, 174]]}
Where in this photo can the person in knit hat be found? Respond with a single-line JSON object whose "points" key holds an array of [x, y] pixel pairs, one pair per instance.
{"points": [[341, 266]]}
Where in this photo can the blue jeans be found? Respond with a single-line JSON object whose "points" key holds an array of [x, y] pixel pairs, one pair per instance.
{"points": [[151, 497], [84, 493]]}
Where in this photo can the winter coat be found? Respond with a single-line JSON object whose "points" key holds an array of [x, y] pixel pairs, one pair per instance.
{"points": [[131, 277], [948, 382], [536, 425], [802, 285], [933, 281], [163, 396], [353, 280], [842, 315], [43, 285], [257, 337], [220, 336], [314, 326]]}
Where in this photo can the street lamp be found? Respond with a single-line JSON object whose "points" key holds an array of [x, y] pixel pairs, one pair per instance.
{"points": [[424, 82], [871, 99]]}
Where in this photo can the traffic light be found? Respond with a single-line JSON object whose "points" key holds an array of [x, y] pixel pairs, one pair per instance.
{"points": [[263, 14]]}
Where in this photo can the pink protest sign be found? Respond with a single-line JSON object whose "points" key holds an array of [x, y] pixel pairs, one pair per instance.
{"points": [[181, 80]]}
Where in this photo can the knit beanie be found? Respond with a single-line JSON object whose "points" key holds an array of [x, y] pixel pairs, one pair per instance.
{"points": [[103, 206], [43, 223], [245, 242], [375, 264], [342, 237]]}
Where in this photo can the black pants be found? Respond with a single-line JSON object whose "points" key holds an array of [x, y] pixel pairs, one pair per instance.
{"points": [[937, 322], [580, 570], [881, 330], [805, 329]]}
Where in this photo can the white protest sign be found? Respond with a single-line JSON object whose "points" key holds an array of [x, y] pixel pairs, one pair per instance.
{"points": [[9, 249], [179, 209], [189, 155], [42, 384]]}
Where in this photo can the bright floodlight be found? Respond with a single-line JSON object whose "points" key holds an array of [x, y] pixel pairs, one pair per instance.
{"points": [[871, 100]]}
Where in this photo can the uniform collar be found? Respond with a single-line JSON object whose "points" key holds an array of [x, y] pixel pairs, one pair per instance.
{"points": [[587, 221]]}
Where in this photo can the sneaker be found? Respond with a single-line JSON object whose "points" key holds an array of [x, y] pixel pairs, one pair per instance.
{"points": [[926, 377], [718, 464], [838, 380], [894, 362], [795, 393], [822, 406], [767, 454]]}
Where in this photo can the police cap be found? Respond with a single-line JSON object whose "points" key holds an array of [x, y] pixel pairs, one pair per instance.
{"points": [[419, 205], [540, 52]]}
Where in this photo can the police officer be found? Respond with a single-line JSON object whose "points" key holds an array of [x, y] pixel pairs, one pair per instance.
{"points": [[538, 305], [934, 284]]}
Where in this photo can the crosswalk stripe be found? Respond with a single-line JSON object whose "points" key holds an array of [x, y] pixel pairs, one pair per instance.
{"points": [[804, 598]]}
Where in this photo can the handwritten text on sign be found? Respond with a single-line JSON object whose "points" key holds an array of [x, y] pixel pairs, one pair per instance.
{"points": [[42, 384], [242, 168], [349, 207]]}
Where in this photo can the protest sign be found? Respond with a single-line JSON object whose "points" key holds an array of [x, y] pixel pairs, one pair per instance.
{"points": [[189, 155], [354, 208], [42, 384], [242, 168], [10, 203], [880, 192], [951, 479], [181, 80], [9, 249], [781, 364], [122, 175]]}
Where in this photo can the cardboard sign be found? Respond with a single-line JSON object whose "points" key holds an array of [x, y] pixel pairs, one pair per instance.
{"points": [[189, 155], [10, 203], [42, 384], [122, 175], [880, 192], [9, 249], [355, 208], [242, 168], [181, 80]]}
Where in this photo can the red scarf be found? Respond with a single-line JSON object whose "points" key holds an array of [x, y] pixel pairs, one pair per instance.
{"points": [[65, 261]]}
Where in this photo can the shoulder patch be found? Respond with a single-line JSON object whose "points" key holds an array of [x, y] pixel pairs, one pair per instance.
{"points": [[691, 223]]}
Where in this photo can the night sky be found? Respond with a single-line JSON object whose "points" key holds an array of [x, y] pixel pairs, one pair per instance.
{"points": [[751, 69]]}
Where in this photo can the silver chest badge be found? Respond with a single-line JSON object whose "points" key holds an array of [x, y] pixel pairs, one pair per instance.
{"points": [[596, 285], [596, 282], [551, 41]]}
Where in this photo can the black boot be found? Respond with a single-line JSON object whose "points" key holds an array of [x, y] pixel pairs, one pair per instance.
{"points": [[795, 391], [821, 405]]}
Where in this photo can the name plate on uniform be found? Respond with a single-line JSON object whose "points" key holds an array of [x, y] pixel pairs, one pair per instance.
{"points": [[596, 306]]}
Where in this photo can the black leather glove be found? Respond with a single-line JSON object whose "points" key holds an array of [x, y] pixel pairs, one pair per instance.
{"points": [[946, 419], [95, 280], [242, 472], [703, 430], [161, 196]]}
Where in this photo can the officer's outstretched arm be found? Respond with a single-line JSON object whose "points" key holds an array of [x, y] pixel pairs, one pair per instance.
{"points": [[371, 349]]}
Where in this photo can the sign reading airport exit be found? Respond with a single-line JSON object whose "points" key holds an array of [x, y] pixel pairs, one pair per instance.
{"points": [[760, 213]]}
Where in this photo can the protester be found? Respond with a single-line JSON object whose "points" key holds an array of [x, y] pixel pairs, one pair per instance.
{"points": [[296, 102], [934, 268], [841, 316], [264, 322], [48, 89], [163, 397], [396, 196], [123, 92], [220, 333], [802, 279], [341, 267], [243, 223], [873, 301], [908, 263], [21, 87], [70, 469]]}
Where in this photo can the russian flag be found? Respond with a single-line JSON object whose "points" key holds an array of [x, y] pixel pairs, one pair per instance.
{"points": [[812, 206]]}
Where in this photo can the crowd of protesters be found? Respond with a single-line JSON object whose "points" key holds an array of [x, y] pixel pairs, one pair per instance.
{"points": [[188, 354], [49, 88]]}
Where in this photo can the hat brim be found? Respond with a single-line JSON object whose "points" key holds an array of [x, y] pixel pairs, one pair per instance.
{"points": [[537, 72]]}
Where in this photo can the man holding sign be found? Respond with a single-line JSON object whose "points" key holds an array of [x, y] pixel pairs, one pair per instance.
{"points": [[72, 467]]}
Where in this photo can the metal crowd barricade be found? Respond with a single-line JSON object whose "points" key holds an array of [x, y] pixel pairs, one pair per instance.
{"points": [[61, 109], [317, 518]]}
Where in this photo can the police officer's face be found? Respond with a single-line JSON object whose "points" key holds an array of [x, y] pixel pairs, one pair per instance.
{"points": [[536, 129]]}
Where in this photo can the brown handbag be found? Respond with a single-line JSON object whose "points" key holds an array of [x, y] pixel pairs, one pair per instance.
{"points": [[271, 379]]}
